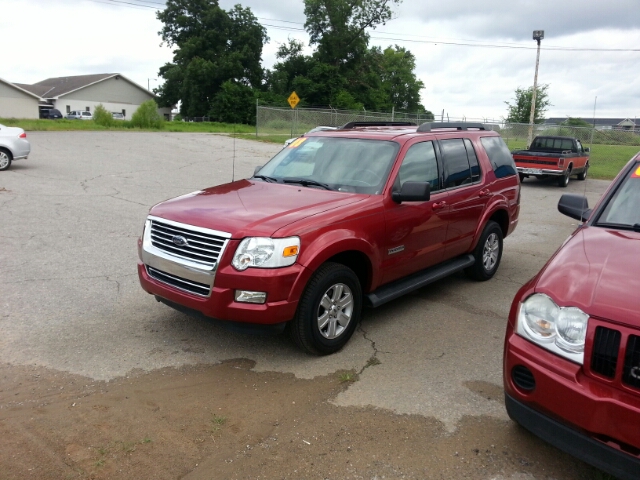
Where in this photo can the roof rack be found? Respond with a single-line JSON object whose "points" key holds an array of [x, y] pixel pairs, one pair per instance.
{"points": [[350, 125], [427, 127]]}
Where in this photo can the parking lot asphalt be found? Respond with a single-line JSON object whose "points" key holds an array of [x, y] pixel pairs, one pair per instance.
{"points": [[70, 216]]}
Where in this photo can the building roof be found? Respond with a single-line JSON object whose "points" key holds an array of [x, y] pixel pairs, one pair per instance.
{"points": [[56, 87], [21, 88], [613, 122]]}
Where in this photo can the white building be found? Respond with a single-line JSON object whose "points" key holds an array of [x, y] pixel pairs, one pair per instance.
{"points": [[80, 92], [16, 102]]}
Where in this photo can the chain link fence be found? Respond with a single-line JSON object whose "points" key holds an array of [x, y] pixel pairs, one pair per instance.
{"points": [[516, 134]]}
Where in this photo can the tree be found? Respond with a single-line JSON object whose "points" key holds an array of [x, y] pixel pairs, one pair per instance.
{"points": [[520, 111], [213, 46], [398, 79]]}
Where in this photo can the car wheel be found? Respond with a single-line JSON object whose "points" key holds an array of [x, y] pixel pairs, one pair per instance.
{"points": [[5, 159], [563, 181], [487, 253], [329, 310], [583, 175]]}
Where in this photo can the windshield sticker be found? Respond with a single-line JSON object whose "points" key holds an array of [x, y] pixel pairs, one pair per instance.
{"points": [[297, 143], [636, 173]]}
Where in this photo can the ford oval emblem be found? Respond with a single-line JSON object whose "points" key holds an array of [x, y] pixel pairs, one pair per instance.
{"points": [[179, 241]]}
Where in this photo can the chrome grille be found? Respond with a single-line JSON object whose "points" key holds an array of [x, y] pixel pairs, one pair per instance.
{"points": [[184, 242]]}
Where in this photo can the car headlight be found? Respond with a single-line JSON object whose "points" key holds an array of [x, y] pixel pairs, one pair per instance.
{"points": [[562, 330], [264, 252]]}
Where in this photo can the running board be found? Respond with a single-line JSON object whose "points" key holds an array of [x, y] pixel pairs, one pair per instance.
{"points": [[401, 287]]}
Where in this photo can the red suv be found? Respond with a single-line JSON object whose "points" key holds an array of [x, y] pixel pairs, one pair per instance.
{"points": [[572, 348], [338, 219]]}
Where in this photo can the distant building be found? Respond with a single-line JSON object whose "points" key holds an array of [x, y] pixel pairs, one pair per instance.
{"points": [[602, 123], [80, 92]]}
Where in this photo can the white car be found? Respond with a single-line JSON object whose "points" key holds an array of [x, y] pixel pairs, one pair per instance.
{"points": [[79, 115], [13, 145]]}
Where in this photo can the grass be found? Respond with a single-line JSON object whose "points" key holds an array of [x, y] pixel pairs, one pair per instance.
{"points": [[217, 421]]}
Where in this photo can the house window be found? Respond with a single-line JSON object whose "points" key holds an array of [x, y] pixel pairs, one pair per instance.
{"points": [[68, 108], [87, 109], [124, 112]]}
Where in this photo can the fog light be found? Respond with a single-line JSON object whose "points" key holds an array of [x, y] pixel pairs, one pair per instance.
{"points": [[245, 296]]}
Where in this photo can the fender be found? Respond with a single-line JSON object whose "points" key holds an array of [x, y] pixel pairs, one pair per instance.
{"points": [[496, 204], [327, 245]]}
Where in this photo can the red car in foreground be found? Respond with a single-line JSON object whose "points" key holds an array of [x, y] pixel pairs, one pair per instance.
{"points": [[572, 347]]}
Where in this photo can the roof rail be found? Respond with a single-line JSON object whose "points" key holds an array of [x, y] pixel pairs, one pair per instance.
{"points": [[427, 127], [351, 125]]}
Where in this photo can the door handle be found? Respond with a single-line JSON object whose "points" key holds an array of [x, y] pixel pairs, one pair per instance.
{"points": [[439, 205], [484, 193]]}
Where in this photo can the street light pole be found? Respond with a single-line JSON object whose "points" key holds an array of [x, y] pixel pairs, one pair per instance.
{"points": [[538, 35]]}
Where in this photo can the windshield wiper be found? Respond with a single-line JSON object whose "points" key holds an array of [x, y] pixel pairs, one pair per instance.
{"points": [[307, 182], [620, 226], [266, 179]]}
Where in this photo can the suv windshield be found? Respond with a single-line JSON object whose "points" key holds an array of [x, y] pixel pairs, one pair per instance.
{"points": [[343, 164], [623, 208]]}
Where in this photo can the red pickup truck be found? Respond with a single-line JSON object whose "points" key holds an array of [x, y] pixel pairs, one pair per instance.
{"points": [[558, 157], [336, 220]]}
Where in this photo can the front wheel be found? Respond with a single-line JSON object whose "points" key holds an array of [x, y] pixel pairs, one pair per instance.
{"points": [[487, 253], [329, 310], [5, 159], [583, 175]]}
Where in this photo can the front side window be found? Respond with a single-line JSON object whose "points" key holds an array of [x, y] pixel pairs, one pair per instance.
{"points": [[343, 164], [623, 208], [420, 165], [499, 156]]}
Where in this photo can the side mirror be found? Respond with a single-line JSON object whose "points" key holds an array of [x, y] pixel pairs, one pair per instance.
{"points": [[587, 149], [412, 192], [257, 169], [574, 206]]}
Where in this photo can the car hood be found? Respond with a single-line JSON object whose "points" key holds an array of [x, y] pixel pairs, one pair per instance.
{"points": [[248, 208], [596, 270]]}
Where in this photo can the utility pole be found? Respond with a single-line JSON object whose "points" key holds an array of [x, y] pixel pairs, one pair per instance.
{"points": [[538, 35]]}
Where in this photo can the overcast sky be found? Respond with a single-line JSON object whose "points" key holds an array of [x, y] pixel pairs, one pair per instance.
{"points": [[471, 55]]}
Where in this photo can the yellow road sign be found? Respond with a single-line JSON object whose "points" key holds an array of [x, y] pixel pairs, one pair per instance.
{"points": [[293, 100]]}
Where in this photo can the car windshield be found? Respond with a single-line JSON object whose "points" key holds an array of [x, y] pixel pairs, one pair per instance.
{"points": [[623, 208], [343, 164]]}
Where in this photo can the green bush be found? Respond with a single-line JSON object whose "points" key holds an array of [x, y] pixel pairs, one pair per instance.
{"points": [[147, 116], [177, 117], [103, 117]]}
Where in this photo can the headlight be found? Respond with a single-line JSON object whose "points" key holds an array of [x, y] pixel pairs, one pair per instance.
{"points": [[562, 330], [264, 252]]}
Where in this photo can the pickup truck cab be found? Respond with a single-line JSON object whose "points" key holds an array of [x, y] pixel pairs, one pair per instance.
{"points": [[559, 157], [337, 220]]}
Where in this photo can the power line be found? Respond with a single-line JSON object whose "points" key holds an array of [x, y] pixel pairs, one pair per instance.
{"points": [[416, 39]]}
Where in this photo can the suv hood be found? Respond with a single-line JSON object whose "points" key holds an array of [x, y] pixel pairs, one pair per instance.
{"points": [[597, 271], [248, 208]]}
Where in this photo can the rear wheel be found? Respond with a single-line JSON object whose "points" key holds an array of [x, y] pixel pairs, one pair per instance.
{"points": [[5, 159], [487, 254], [329, 310], [563, 181], [583, 175]]}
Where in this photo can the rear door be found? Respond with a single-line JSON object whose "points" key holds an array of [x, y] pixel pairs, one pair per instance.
{"points": [[416, 231], [468, 196]]}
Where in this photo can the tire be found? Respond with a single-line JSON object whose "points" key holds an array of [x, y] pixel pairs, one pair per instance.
{"points": [[487, 253], [522, 177], [329, 310], [583, 175], [5, 159], [563, 181]]}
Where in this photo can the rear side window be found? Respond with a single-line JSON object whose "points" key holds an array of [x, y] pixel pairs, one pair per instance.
{"points": [[457, 170], [499, 156]]}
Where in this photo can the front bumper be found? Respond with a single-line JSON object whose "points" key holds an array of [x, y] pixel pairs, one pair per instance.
{"points": [[574, 442], [579, 414]]}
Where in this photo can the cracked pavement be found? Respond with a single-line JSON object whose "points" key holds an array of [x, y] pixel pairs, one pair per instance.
{"points": [[70, 216]]}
